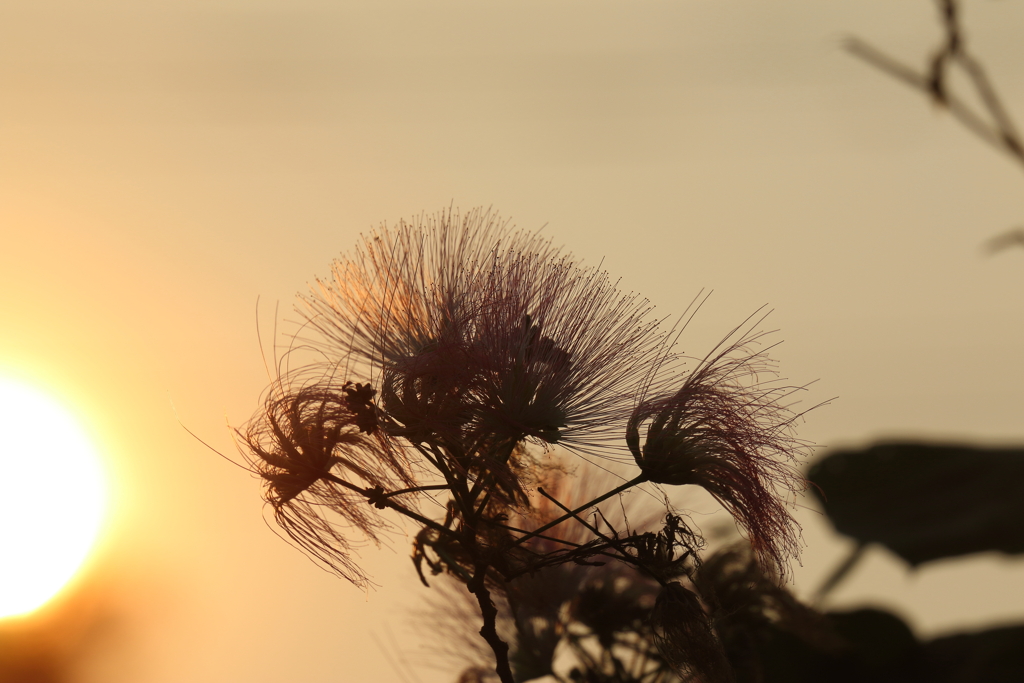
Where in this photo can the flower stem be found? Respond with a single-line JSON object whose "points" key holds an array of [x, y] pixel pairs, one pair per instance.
{"points": [[536, 535], [415, 489], [600, 499], [579, 519], [375, 496], [489, 631]]}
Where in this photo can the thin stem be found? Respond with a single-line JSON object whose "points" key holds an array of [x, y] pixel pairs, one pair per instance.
{"points": [[483, 504], [536, 535], [1000, 132], [489, 631], [622, 556], [839, 573], [460, 492], [600, 499], [414, 489], [956, 106], [995, 107], [374, 497], [579, 519], [567, 556]]}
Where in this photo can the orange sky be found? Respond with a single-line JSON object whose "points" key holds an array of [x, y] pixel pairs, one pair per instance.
{"points": [[163, 164]]}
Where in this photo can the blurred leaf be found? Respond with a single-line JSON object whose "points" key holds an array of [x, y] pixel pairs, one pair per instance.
{"points": [[877, 647], [880, 640], [881, 648], [993, 656], [925, 502]]}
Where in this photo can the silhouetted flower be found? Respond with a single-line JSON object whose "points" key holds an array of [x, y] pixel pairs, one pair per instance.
{"points": [[683, 634], [482, 337], [747, 606], [560, 349], [407, 289], [311, 445], [359, 399], [670, 553], [730, 433], [593, 616], [482, 347]]}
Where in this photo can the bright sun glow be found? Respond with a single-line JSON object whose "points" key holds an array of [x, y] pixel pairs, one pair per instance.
{"points": [[53, 498]]}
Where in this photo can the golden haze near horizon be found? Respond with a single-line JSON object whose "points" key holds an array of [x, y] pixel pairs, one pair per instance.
{"points": [[165, 164]]}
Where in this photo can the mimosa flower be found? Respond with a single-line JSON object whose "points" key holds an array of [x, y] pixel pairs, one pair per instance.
{"points": [[478, 348], [481, 338], [729, 432], [407, 288], [313, 449], [560, 350]]}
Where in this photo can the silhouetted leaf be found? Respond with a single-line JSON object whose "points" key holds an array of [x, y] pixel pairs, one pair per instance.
{"points": [[925, 502], [993, 656], [880, 648], [876, 647]]}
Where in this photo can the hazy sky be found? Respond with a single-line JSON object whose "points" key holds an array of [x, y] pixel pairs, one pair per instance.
{"points": [[165, 164]]}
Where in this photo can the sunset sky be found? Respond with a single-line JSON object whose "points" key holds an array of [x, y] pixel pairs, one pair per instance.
{"points": [[166, 165]]}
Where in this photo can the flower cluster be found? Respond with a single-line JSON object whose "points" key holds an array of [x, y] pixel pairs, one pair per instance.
{"points": [[457, 350], [476, 331]]}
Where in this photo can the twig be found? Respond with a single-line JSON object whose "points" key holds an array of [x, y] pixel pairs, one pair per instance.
{"points": [[995, 126], [839, 573], [600, 499]]}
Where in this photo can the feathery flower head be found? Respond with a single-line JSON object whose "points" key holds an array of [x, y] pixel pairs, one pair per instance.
{"points": [[559, 349], [477, 333], [313, 445], [729, 432]]}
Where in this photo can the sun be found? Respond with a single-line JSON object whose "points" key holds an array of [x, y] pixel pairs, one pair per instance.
{"points": [[53, 497]]}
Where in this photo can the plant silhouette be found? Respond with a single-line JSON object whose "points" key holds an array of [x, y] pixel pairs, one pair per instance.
{"points": [[454, 355]]}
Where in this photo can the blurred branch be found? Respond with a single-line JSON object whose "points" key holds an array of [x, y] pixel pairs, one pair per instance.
{"points": [[839, 573], [989, 120], [1010, 238], [993, 124], [957, 107]]}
